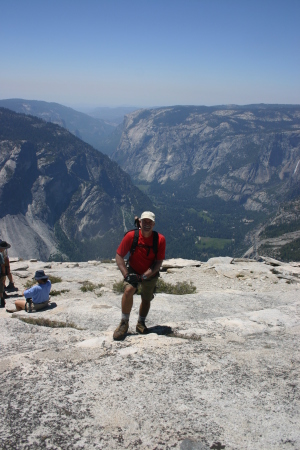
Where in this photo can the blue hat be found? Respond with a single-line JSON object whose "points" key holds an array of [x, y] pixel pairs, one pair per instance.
{"points": [[4, 244], [40, 275]]}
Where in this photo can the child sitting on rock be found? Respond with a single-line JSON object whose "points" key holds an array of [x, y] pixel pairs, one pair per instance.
{"points": [[38, 295]]}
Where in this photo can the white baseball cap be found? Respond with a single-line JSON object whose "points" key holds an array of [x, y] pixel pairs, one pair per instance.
{"points": [[148, 215]]}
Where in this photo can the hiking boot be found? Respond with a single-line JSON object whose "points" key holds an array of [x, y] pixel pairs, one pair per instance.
{"points": [[10, 287], [141, 328], [121, 331]]}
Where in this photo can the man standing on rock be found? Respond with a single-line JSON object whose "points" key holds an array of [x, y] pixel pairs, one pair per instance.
{"points": [[146, 257]]}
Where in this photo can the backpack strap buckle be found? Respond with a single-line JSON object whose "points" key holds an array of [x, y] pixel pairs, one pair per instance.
{"points": [[28, 305]]}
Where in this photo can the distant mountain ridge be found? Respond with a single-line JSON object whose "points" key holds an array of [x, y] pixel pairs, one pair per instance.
{"points": [[58, 195], [90, 129], [221, 180], [224, 170], [241, 152]]}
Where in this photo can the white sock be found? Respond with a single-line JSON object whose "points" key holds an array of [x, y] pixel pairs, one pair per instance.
{"points": [[125, 317]]}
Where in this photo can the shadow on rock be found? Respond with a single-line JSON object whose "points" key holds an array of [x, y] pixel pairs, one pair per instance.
{"points": [[158, 329], [51, 305], [188, 444], [161, 330], [13, 296]]}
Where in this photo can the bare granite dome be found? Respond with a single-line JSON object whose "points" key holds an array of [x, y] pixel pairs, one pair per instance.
{"points": [[219, 369]]}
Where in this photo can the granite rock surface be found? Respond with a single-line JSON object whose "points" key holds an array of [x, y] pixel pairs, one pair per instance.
{"points": [[219, 368]]}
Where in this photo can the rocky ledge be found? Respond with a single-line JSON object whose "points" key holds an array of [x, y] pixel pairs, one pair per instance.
{"points": [[219, 369]]}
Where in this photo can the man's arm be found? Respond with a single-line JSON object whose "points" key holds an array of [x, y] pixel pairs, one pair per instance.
{"points": [[121, 264], [28, 292], [153, 269]]}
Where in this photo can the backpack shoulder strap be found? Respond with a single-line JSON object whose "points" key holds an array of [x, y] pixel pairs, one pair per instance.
{"points": [[135, 241], [155, 242]]}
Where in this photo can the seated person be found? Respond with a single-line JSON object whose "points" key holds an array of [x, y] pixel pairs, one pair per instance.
{"points": [[39, 294]]}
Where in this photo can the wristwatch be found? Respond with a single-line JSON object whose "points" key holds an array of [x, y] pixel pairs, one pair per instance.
{"points": [[144, 277]]}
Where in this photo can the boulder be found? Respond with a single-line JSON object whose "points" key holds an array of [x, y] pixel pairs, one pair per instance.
{"points": [[179, 263], [18, 266], [271, 261], [20, 274], [219, 260]]}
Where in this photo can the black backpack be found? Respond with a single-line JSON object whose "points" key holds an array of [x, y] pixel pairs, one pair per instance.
{"points": [[136, 239]]}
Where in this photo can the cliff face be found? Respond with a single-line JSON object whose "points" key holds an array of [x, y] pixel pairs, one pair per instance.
{"points": [[55, 189], [247, 154], [215, 175]]}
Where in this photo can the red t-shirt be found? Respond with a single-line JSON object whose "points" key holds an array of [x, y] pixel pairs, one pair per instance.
{"points": [[140, 261]]}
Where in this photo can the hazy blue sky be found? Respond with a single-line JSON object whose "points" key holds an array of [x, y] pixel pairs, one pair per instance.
{"points": [[150, 52]]}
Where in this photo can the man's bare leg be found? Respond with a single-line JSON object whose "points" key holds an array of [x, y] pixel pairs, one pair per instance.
{"points": [[127, 302], [127, 299], [144, 308], [141, 327]]}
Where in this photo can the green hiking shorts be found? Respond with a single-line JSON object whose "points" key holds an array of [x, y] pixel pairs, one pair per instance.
{"points": [[147, 286], [38, 306]]}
